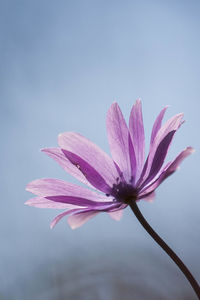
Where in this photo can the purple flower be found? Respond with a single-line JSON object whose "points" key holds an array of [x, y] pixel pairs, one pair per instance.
{"points": [[115, 181]]}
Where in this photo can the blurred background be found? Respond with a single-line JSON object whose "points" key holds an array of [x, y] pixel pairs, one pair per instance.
{"points": [[62, 65]]}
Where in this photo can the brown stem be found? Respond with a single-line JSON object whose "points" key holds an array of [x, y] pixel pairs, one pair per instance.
{"points": [[165, 247]]}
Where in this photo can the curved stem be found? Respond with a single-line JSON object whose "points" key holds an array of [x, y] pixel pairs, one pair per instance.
{"points": [[165, 247]]}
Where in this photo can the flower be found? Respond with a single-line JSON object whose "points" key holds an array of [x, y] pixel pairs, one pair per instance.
{"points": [[115, 181]]}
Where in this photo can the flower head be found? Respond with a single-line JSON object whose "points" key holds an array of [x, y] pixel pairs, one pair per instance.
{"points": [[115, 181]]}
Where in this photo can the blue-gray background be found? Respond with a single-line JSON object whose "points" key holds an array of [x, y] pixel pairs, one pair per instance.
{"points": [[62, 64]]}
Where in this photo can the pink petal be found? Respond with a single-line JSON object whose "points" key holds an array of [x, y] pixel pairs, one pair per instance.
{"points": [[90, 153], [61, 159], [82, 215], [167, 171], [132, 161], [157, 124], [170, 126], [60, 216], [116, 215], [46, 203], [78, 201], [53, 187], [159, 157], [90, 173], [137, 135], [149, 197], [118, 137], [77, 220], [177, 161]]}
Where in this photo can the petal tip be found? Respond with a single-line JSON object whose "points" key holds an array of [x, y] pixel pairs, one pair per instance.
{"points": [[166, 107], [189, 150], [44, 149], [31, 184], [180, 114], [138, 101], [28, 187], [28, 202], [54, 222], [114, 105], [52, 226], [192, 150], [72, 225], [60, 137]]}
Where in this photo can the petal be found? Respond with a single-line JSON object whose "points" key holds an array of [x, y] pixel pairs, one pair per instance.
{"points": [[80, 216], [177, 161], [61, 159], [118, 137], [159, 157], [116, 215], [77, 220], [45, 203], [149, 197], [90, 153], [89, 172], [132, 162], [78, 201], [163, 138], [136, 128], [167, 171], [53, 187], [60, 216], [157, 124]]}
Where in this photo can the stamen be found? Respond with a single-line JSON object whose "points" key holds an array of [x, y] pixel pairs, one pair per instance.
{"points": [[124, 192]]}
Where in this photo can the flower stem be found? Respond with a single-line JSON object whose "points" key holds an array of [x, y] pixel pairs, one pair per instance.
{"points": [[165, 247]]}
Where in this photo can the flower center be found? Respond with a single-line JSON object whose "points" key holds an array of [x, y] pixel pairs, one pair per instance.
{"points": [[124, 192]]}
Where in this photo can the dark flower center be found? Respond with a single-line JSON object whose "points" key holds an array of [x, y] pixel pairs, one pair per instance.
{"points": [[124, 192]]}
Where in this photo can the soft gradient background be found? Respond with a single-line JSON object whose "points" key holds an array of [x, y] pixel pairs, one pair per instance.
{"points": [[62, 64]]}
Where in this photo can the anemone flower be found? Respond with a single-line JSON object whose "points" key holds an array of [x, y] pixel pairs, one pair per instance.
{"points": [[124, 178], [113, 183]]}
